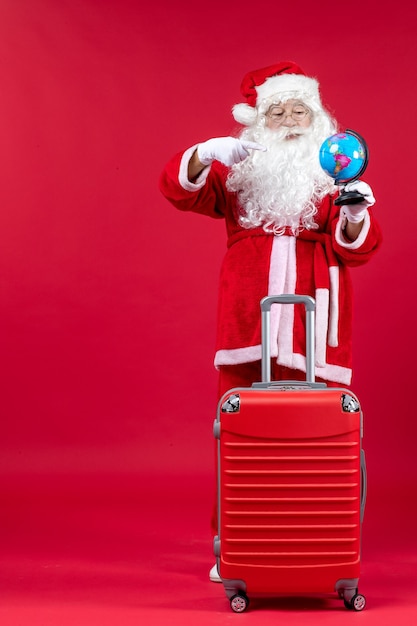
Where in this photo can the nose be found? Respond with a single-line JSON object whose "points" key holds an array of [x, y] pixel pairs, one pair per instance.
{"points": [[289, 121]]}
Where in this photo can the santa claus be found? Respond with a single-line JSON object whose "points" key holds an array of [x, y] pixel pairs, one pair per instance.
{"points": [[285, 233]]}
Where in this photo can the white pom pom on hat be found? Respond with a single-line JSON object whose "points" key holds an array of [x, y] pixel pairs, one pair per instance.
{"points": [[260, 86]]}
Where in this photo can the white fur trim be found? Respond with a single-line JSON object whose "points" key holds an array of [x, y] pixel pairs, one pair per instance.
{"points": [[244, 114], [238, 355], [286, 326], [335, 373], [278, 270], [353, 245], [322, 318], [333, 336], [183, 172], [298, 85]]}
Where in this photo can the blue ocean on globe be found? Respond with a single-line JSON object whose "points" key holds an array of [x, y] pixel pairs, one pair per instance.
{"points": [[343, 157]]}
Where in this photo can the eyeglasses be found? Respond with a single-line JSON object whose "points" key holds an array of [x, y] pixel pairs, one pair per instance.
{"points": [[278, 114]]}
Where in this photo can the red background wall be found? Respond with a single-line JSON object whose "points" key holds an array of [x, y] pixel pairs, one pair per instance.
{"points": [[107, 294]]}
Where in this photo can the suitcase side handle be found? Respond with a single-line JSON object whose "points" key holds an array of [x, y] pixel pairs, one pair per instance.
{"points": [[364, 484], [310, 307]]}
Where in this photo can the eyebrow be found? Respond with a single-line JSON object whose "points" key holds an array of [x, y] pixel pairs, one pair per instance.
{"points": [[281, 105]]}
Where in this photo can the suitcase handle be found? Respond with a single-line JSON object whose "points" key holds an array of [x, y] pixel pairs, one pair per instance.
{"points": [[364, 484], [310, 306]]}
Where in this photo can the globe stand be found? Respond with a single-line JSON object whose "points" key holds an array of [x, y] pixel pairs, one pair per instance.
{"points": [[349, 197], [353, 153]]}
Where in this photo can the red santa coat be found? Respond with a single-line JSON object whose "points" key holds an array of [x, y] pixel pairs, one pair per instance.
{"points": [[258, 264]]}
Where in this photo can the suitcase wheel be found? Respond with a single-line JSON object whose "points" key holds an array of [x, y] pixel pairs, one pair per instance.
{"points": [[239, 602], [357, 603]]}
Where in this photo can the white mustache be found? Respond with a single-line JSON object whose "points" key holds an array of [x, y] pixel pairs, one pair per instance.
{"points": [[277, 137], [295, 130]]}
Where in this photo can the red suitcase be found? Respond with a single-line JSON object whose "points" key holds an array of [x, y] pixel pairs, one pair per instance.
{"points": [[291, 484]]}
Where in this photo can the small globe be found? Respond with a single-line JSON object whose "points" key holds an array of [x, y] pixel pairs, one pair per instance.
{"points": [[344, 156]]}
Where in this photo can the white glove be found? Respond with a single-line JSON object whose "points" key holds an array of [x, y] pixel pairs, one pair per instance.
{"points": [[356, 212], [227, 150]]}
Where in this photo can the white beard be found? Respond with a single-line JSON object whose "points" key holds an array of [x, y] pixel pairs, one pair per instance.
{"points": [[281, 187]]}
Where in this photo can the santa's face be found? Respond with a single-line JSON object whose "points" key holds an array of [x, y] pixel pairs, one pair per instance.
{"points": [[292, 114]]}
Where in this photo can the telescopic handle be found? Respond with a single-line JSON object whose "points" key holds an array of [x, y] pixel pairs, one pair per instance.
{"points": [[310, 306]]}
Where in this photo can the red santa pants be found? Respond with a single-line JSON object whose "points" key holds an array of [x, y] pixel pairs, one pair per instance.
{"points": [[243, 375]]}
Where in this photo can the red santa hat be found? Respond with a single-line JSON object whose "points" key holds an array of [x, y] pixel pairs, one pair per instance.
{"points": [[275, 83]]}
